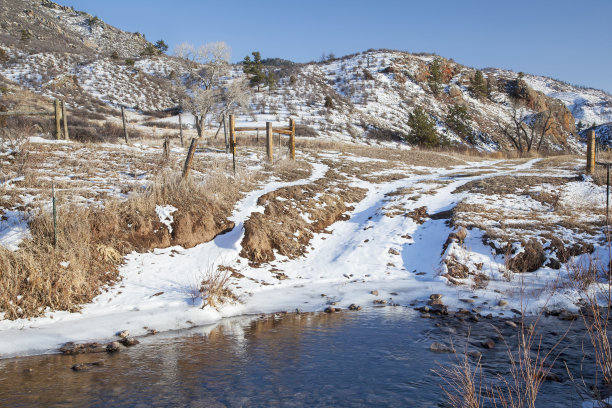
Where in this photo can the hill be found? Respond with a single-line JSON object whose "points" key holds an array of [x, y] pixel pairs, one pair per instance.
{"points": [[56, 51]]}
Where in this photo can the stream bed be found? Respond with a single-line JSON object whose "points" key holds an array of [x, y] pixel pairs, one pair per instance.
{"points": [[374, 357]]}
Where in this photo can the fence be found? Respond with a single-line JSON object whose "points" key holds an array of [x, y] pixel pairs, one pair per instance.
{"points": [[233, 129], [61, 118]]}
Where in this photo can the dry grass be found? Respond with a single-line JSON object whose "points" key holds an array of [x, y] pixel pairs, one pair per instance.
{"points": [[463, 384], [595, 286], [92, 240], [511, 184], [282, 226], [215, 289], [469, 385]]}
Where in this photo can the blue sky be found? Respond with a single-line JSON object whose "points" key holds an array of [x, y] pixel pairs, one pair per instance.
{"points": [[567, 40]]}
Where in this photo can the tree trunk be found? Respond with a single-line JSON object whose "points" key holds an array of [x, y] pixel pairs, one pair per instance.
{"points": [[199, 122]]}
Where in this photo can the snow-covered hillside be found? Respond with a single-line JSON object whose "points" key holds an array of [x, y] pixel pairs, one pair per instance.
{"points": [[589, 106], [372, 94]]}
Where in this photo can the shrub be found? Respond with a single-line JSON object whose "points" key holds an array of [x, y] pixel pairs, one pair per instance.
{"points": [[93, 21], [329, 102], [26, 35], [114, 55], [305, 131], [130, 62], [385, 135], [367, 75], [3, 108], [149, 51]]}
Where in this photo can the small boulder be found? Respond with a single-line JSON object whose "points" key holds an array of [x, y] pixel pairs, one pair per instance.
{"points": [[354, 307], [129, 341], [113, 347], [440, 348], [502, 303], [123, 334], [488, 344], [374, 292], [330, 309]]}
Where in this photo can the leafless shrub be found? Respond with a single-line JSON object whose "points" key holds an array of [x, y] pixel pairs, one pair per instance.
{"points": [[305, 131], [595, 313], [215, 288], [463, 384], [530, 364]]}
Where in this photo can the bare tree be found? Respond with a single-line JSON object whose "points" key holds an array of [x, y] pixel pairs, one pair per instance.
{"points": [[526, 130], [206, 66], [236, 96]]}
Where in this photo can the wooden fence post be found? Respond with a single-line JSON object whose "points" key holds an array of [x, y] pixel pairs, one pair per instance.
{"points": [[590, 165], [181, 130], [225, 134], [232, 135], [58, 117], [125, 131], [166, 148], [65, 121], [54, 215], [189, 159], [292, 138], [269, 141]]}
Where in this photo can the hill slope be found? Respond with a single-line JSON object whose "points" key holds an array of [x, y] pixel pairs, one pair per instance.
{"points": [[59, 52]]}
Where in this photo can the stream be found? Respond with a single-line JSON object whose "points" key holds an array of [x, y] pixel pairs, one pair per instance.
{"points": [[374, 357]]}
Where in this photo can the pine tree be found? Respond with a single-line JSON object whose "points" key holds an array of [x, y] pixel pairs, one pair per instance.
{"points": [[161, 46], [270, 81], [478, 85], [457, 120], [254, 68], [435, 76], [422, 129]]}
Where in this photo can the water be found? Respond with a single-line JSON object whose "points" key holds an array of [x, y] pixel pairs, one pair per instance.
{"points": [[370, 358]]}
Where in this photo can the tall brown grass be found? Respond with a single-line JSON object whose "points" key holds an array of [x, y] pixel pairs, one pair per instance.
{"points": [[593, 282], [468, 385], [92, 242]]}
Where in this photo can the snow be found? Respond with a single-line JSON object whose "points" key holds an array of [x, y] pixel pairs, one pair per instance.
{"points": [[160, 289], [164, 213], [13, 229]]}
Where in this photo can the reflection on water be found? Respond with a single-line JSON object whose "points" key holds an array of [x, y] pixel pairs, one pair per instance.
{"points": [[378, 357]]}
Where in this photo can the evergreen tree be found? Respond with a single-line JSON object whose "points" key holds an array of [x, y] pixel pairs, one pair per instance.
{"points": [[478, 85], [422, 129], [435, 76], [270, 81], [457, 120], [254, 68], [161, 46], [329, 102]]}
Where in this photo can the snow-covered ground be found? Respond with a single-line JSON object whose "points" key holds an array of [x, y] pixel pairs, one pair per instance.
{"points": [[397, 258]]}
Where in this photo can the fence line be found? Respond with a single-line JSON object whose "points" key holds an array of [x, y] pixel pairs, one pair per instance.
{"points": [[61, 118]]}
